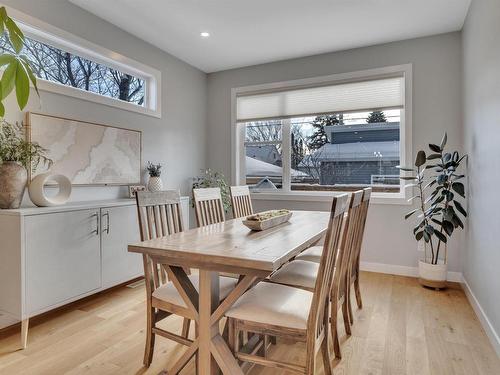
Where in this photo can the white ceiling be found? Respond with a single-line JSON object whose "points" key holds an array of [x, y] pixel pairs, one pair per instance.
{"points": [[248, 32]]}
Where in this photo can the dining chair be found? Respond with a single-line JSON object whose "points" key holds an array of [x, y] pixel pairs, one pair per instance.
{"points": [[241, 201], [302, 274], [356, 254], [208, 206], [292, 313], [159, 215]]}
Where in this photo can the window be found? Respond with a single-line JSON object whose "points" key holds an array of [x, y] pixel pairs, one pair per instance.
{"points": [[71, 66], [53, 64], [306, 137]]}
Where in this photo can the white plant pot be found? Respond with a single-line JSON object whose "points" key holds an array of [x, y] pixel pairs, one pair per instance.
{"points": [[155, 184], [433, 275]]}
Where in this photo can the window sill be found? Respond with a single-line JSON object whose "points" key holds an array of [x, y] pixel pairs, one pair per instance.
{"points": [[73, 92], [377, 198]]}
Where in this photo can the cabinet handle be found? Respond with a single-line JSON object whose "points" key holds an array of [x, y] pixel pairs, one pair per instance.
{"points": [[96, 230], [107, 221]]}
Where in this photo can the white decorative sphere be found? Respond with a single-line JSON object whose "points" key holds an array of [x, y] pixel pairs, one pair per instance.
{"points": [[37, 192]]}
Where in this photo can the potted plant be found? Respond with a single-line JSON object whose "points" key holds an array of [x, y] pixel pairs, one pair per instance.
{"points": [[154, 183], [211, 179], [439, 211], [16, 156]]}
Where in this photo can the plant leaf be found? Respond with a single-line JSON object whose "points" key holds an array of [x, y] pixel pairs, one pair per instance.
{"points": [[2, 109], [443, 141], [459, 188], [419, 235], [9, 79], [435, 148], [460, 208], [16, 36], [405, 168], [22, 86], [448, 227], [434, 156], [440, 236], [420, 159], [411, 213], [32, 77], [7, 58]]}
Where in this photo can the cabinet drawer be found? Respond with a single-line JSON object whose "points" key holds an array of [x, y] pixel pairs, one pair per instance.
{"points": [[62, 257]]}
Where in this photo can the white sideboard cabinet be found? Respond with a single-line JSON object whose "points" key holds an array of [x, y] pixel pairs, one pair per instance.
{"points": [[52, 256]]}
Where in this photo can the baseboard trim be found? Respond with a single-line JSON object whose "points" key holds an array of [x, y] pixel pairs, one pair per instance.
{"points": [[393, 269], [483, 318]]}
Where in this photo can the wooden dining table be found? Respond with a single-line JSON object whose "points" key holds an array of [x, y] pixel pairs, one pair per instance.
{"points": [[227, 247]]}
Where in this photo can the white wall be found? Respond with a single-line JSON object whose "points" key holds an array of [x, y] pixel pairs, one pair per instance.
{"points": [[177, 140], [436, 107], [481, 63]]}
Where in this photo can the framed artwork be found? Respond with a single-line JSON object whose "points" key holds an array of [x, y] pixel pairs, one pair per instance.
{"points": [[132, 189], [87, 153]]}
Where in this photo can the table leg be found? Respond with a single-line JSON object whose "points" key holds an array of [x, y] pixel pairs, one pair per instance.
{"points": [[209, 300], [213, 352]]}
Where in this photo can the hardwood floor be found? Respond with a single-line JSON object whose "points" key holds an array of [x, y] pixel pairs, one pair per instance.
{"points": [[402, 329]]}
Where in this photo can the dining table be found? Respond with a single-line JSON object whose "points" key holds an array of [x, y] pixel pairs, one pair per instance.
{"points": [[227, 247]]}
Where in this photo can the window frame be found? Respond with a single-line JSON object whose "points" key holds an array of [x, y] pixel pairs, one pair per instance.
{"points": [[405, 144], [40, 31]]}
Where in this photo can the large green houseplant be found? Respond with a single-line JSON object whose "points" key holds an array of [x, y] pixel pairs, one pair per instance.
{"points": [[16, 153], [439, 213]]}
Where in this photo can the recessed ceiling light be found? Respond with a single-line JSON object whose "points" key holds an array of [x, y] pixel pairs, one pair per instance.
{"points": [[204, 34]]}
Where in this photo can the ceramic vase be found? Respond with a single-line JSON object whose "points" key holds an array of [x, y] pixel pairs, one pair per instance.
{"points": [[13, 180]]}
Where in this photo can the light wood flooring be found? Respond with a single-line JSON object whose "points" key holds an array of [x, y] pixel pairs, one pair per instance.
{"points": [[402, 329]]}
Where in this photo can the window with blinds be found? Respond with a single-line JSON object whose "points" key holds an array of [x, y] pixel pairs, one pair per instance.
{"points": [[333, 136]]}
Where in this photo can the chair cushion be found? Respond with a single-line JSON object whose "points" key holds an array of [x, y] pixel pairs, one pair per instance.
{"points": [[313, 254], [299, 273], [274, 304], [168, 292]]}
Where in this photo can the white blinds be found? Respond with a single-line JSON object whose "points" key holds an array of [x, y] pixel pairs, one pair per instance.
{"points": [[367, 95]]}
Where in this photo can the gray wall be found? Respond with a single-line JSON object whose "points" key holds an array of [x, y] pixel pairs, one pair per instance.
{"points": [[481, 62], [436, 107], [177, 140]]}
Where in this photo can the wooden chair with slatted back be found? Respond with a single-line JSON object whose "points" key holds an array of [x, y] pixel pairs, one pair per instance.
{"points": [[295, 314], [241, 201], [356, 255], [340, 293], [208, 206], [159, 215]]}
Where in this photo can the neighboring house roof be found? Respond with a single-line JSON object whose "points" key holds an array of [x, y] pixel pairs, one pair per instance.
{"points": [[259, 168], [266, 153], [359, 151]]}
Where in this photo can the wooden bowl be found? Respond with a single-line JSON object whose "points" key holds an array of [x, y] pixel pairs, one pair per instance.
{"points": [[259, 225]]}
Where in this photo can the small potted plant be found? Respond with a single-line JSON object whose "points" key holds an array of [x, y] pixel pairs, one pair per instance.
{"points": [[211, 179], [439, 212], [16, 156], [154, 183]]}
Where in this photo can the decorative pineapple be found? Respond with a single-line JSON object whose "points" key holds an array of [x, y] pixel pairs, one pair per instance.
{"points": [[154, 183]]}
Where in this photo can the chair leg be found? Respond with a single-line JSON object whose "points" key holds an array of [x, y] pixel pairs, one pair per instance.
{"points": [[358, 292], [349, 305], [231, 334], [186, 323], [335, 335], [345, 316], [326, 356], [150, 337]]}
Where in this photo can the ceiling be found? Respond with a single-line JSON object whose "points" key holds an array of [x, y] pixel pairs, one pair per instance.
{"points": [[248, 32]]}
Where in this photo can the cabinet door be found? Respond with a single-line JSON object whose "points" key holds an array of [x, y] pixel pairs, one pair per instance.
{"points": [[62, 258], [119, 228]]}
